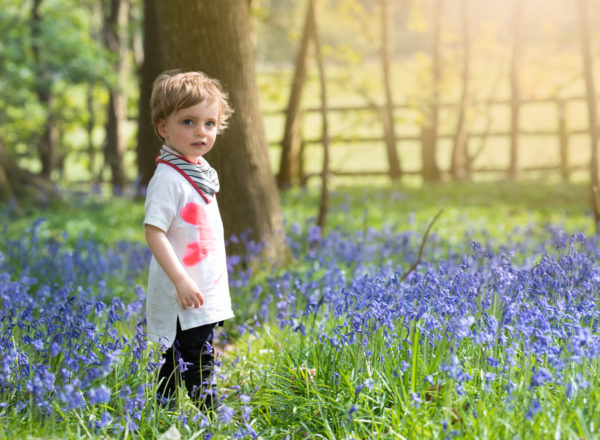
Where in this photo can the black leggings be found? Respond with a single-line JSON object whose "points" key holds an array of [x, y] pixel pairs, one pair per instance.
{"points": [[191, 347]]}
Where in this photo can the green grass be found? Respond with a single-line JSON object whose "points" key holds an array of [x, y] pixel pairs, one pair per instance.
{"points": [[496, 207], [272, 365]]}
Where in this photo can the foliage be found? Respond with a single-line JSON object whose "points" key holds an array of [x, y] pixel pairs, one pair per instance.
{"points": [[70, 53]]}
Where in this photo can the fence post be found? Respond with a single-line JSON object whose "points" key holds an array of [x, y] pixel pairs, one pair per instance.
{"points": [[563, 138]]}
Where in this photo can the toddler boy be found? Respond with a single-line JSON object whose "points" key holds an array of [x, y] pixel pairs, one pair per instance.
{"points": [[188, 291]]}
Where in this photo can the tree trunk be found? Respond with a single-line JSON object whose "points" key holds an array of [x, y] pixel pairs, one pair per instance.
{"points": [[563, 140], [89, 128], [43, 90], [460, 157], [590, 87], [289, 165], [115, 37], [515, 98], [212, 36], [324, 201], [387, 14], [19, 184], [431, 172], [148, 143]]}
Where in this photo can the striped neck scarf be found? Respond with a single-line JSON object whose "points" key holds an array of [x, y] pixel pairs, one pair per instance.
{"points": [[201, 176]]}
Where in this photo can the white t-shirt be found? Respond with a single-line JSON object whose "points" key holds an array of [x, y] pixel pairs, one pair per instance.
{"points": [[195, 230]]}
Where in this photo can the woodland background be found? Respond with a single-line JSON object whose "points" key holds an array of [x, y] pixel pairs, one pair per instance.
{"points": [[362, 310], [411, 90]]}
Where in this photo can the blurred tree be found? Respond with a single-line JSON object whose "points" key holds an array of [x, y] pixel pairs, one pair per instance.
{"points": [[212, 36], [116, 17], [515, 87], [45, 54], [324, 200], [389, 122], [431, 171], [368, 28], [17, 183], [43, 90], [590, 87], [152, 64], [289, 165], [459, 163]]}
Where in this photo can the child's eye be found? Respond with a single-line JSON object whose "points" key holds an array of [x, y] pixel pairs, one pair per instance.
{"points": [[211, 124], [188, 122]]}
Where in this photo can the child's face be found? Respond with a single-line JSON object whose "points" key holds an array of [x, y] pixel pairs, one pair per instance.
{"points": [[191, 131]]}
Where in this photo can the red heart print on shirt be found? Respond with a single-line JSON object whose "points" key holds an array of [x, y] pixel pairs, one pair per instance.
{"points": [[197, 251]]}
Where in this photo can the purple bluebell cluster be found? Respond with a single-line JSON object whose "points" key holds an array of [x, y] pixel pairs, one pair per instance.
{"points": [[530, 302], [73, 340], [64, 308]]}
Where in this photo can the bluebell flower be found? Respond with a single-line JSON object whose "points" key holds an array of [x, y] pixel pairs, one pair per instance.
{"points": [[416, 399], [358, 389], [534, 408], [314, 234], [226, 414], [99, 395], [105, 420], [540, 376]]}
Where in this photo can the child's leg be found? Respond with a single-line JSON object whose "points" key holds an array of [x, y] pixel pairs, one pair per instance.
{"points": [[198, 376], [168, 377]]}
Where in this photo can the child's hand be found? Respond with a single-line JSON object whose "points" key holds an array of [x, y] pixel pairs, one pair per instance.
{"points": [[189, 294]]}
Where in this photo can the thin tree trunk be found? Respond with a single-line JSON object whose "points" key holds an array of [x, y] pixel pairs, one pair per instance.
{"points": [[324, 200], [515, 97], [458, 164], [289, 165], [431, 172], [136, 38], [115, 35], [148, 143], [89, 128], [563, 140], [387, 14], [212, 36], [590, 87], [43, 90]]}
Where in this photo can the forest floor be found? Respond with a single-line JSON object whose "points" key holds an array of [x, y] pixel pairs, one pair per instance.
{"points": [[493, 335]]}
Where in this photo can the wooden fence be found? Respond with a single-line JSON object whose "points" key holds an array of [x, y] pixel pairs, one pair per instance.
{"points": [[562, 168]]}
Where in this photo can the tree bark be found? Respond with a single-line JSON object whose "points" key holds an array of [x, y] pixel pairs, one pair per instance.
{"points": [[291, 144], [212, 36], [43, 90], [115, 37], [148, 143], [590, 87], [387, 14], [515, 97], [19, 184], [460, 158], [324, 200], [563, 140], [431, 171], [89, 128]]}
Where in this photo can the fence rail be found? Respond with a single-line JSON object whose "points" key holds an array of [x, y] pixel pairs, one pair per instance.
{"points": [[561, 132]]}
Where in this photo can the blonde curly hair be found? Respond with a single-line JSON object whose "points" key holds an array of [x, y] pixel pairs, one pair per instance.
{"points": [[174, 90]]}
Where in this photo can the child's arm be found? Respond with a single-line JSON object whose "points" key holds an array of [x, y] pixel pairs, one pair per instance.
{"points": [[188, 292]]}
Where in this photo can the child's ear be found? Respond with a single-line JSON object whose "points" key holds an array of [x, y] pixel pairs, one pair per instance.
{"points": [[161, 127]]}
